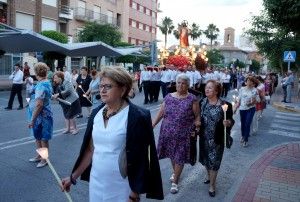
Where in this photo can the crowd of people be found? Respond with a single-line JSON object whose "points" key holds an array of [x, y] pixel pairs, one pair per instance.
{"points": [[120, 135]]}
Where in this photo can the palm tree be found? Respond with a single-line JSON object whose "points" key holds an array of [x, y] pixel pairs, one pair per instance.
{"points": [[166, 27], [176, 33], [195, 31], [212, 32]]}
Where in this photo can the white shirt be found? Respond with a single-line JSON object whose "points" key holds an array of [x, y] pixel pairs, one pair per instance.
{"points": [[29, 84], [197, 77], [165, 76], [173, 75], [145, 75], [191, 76], [17, 77], [225, 78], [245, 96], [67, 76]]}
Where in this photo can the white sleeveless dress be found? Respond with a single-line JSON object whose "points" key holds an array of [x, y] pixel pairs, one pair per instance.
{"points": [[106, 182]]}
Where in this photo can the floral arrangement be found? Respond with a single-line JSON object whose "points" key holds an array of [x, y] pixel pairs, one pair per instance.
{"points": [[200, 63], [179, 61]]}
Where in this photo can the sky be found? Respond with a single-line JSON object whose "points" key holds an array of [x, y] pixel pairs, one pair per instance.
{"points": [[222, 13]]}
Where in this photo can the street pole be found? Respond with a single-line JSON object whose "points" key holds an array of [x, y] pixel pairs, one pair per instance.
{"points": [[289, 65]]}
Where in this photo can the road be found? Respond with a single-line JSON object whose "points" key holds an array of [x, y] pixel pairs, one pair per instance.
{"points": [[22, 181]]}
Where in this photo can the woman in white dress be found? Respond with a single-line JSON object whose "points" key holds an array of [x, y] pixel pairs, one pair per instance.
{"points": [[114, 124]]}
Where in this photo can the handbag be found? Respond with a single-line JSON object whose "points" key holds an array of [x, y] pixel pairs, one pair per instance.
{"points": [[193, 148], [122, 161]]}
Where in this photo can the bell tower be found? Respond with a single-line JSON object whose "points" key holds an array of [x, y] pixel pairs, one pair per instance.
{"points": [[229, 37]]}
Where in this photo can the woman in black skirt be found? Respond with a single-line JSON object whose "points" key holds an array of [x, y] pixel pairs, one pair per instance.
{"points": [[83, 82], [70, 105]]}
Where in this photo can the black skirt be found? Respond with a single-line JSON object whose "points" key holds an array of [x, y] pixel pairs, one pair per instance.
{"points": [[70, 111]]}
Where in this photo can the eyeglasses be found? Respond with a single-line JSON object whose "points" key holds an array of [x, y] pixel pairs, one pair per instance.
{"points": [[106, 86]]}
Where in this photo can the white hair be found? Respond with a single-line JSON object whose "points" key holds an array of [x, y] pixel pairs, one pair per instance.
{"points": [[183, 76]]}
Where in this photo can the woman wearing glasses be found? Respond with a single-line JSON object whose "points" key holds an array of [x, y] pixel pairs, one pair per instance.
{"points": [[115, 123]]}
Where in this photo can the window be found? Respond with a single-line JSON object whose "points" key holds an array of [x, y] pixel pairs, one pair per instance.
{"points": [[132, 41], [24, 21], [147, 28], [48, 24], [110, 15], [153, 14], [97, 11], [50, 2], [153, 30], [133, 23], [134, 5], [141, 26], [148, 11], [81, 8], [141, 8]]}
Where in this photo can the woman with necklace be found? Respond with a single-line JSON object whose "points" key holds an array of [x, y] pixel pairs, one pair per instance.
{"points": [[211, 141], [180, 113], [248, 97], [115, 123]]}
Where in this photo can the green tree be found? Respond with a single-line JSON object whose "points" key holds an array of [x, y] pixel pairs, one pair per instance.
{"points": [[284, 13], [212, 33], [255, 66], [50, 57], [272, 40], [195, 31], [106, 33], [176, 33], [214, 56], [166, 27]]}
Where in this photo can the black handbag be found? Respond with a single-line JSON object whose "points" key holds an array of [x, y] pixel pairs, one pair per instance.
{"points": [[229, 140], [193, 148]]}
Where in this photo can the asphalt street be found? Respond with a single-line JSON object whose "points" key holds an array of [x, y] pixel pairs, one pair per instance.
{"points": [[22, 181]]}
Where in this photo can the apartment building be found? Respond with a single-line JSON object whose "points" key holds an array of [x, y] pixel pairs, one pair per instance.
{"points": [[136, 19]]}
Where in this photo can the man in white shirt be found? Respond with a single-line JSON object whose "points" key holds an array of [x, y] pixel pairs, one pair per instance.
{"points": [[145, 82], [165, 80], [67, 75], [225, 80], [17, 78]]}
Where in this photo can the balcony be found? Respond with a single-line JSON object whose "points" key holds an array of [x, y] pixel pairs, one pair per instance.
{"points": [[83, 14], [65, 12]]}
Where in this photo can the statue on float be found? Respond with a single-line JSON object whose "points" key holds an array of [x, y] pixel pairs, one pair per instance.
{"points": [[184, 34]]}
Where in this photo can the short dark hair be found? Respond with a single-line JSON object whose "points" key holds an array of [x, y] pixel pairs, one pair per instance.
{"points": [[59, 74], [94, 72], [217, 86], [85, 68], [17, 65]]}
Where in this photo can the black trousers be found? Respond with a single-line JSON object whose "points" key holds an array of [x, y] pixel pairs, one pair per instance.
{"points": [[16, 89], [226, 87], [146, 88]]}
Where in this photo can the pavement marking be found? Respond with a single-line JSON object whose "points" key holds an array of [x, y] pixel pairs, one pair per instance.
{"points": [[287, 122], [56, 133], [286, 117], [289, 114], [285, 128]]}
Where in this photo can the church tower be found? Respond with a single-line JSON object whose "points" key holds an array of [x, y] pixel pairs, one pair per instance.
{"points": [[229, 37]]}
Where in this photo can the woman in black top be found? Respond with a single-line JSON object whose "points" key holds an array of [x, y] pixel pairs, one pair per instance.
{"points": [[83, 81]]}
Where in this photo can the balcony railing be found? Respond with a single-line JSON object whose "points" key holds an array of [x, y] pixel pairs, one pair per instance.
{"points": [[65, 12], [89, 15]]}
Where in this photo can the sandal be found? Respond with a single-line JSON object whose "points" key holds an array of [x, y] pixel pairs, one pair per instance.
{"points": [[75, 132], [174, 188], [66, 132], [172, 177], [41, 164], [35, 159]]}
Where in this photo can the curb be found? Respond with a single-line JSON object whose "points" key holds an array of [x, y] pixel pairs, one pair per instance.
{"points": [[284, 107]]}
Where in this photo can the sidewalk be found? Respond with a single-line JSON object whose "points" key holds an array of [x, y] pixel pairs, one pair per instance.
{"points": [[275, 176], [290, 107]]}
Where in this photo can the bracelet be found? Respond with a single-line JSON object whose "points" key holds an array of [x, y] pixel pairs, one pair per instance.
{"points": [[134, 199], [73, 181]]}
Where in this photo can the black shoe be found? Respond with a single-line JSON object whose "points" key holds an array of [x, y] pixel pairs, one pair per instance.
{"points": [[8, 108], [79, 116], [212, 193], [145, 103], [206, 182], [19, 108]]}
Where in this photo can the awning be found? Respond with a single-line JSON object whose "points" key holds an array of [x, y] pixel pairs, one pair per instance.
{"points": [[21, 41]]}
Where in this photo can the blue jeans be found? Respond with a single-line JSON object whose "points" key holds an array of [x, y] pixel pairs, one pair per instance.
{"points": [[246, 120]]}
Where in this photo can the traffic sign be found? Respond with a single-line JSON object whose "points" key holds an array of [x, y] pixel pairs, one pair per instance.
{"points": [[289, 56]]}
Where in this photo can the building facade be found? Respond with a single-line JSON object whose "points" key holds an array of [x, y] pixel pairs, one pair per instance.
{"points": [[136, 20]]}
